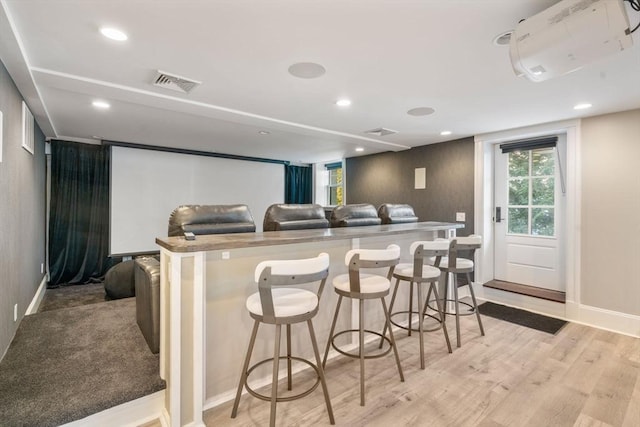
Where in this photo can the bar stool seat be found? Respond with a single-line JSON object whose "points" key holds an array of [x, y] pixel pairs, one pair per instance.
{"points": [[277, 303], [369, 284], [463, 265], [286, 302], [404, 271]]}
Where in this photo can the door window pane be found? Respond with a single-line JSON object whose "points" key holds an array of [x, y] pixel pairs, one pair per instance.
{"points": [[542, 191], [519, 191], [518, 220], [542, 221], [542, 162], [519, 163]]}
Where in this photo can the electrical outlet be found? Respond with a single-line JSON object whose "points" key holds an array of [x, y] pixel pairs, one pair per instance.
{"points": [[15, 312], [226, 255], [460, 216]]}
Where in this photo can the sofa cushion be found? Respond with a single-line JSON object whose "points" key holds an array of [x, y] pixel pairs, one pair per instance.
{"points": [[119, 282], [354, 215], [211, 219], [147, 284], [294, 217], [396, 213]]}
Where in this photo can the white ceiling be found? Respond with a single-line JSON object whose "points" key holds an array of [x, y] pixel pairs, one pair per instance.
{"points": [[386, 56]]}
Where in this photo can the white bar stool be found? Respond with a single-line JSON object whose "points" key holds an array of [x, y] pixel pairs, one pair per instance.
{"points": [[277, 304], [362, 286], [455, 265], [418, 272]]}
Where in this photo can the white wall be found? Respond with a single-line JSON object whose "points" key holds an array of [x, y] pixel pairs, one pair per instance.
{"points": [[611, 212]]}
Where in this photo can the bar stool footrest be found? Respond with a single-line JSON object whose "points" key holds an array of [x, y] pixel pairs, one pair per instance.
{"points": [[356, 355], [472, 309], [287, 398], [416, 329]]}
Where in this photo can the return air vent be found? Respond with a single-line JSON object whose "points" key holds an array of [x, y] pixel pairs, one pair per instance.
{"points": [[174, 82], [381, 132]]}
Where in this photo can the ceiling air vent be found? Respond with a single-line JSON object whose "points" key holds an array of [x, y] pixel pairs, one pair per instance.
{"points": [[174, 82], [381, 132]]}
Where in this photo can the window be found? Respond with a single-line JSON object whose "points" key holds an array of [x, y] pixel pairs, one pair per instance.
{"points": [[335, 191], [532, 192]]}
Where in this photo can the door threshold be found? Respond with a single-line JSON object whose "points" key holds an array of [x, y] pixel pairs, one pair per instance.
{"points": [[531, 291]]}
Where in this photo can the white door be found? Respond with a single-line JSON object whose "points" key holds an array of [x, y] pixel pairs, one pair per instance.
{"points": [[529, 217]]}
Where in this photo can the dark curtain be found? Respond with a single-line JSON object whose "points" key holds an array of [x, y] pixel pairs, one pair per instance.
{"points": [[298, 184], [79, 213]]}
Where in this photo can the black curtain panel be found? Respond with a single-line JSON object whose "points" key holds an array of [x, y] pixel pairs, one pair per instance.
{"points": [[298, 184], [79, 213]]}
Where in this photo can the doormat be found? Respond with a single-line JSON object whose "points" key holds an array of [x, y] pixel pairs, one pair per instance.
{"points": [[536, 321]]}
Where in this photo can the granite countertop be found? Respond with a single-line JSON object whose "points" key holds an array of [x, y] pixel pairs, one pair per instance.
{"points": [[212, 242]]}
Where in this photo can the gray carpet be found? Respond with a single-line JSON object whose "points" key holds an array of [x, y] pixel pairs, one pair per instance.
{"points": [[72, 296], [66, 364]]}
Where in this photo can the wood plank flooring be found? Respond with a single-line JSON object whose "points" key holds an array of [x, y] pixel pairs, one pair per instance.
{"points": [[514, 376]]}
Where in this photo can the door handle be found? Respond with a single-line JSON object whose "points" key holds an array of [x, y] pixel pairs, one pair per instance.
{"points": [[498, 214]]}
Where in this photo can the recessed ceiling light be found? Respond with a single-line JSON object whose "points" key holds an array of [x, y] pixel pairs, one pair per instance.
{"points": [[583, 106], [263, 132], [102, 105], [503, 39], [307, 70], [421, 111], [359, 149], [445, 132], [113, 34], [343, 102]]}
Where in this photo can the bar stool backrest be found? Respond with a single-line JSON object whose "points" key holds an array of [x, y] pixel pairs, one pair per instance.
{"points": [[439, 248], [422, 249], [269, 274], [463, 244], [356, 259]]}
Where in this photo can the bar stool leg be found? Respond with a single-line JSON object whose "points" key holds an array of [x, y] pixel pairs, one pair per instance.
{"points": [[289, 385], [420, 325], [323, 382], [393, 300], [441, 314], [392, 339], [274, 380], [475, 304], [333, 327], [245, 367], [457, 302], [410, 317], [361, 352]]}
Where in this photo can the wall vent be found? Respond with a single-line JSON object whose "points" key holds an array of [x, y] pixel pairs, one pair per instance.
{"points": [[380, 132], [28, 140], [174, 82]]}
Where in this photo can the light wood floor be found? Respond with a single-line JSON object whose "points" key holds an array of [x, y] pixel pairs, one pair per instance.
{"points": [[514, 376]]}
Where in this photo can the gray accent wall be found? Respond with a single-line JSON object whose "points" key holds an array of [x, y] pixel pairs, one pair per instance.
{"points": [[389, 178], [22, 213], [610, 212]]}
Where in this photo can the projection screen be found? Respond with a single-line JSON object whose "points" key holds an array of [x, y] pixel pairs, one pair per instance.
{"points": [[147, 185]]}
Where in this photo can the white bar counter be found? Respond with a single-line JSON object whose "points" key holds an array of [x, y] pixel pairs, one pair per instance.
{"points": [[205, 327]]}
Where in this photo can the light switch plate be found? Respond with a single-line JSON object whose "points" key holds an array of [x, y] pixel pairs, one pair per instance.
{"points": [[460, 216]]}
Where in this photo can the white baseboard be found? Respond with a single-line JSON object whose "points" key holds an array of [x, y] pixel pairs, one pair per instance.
{"points": [[37, 298], [129, 414], [621, 323]]}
